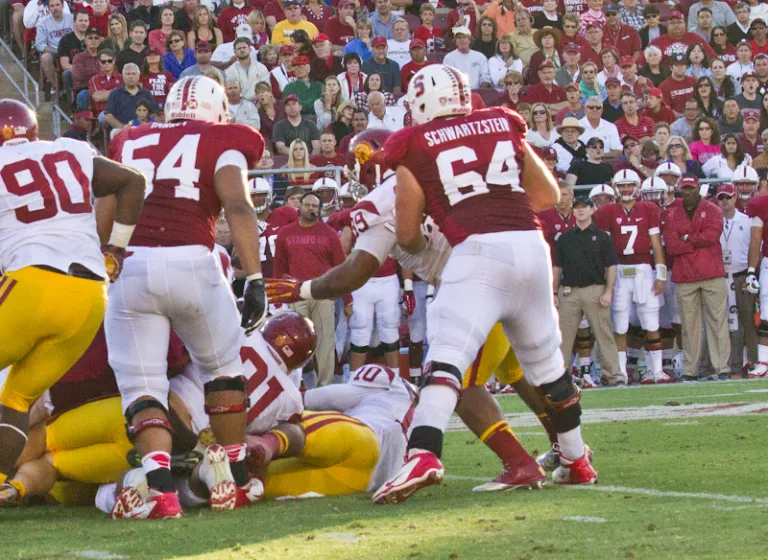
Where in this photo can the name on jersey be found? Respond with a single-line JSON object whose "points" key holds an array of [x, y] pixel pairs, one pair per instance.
{"points": [[464, 130]]}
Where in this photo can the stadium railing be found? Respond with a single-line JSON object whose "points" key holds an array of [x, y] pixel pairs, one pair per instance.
{"points": [[29, 85]]}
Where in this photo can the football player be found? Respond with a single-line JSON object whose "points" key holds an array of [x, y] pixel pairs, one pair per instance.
{"points": [[261, 196], [602, 195], [634, 226], [757, 209], [195, 165], [328, 191], [476, 177], [746, 180], [52, 290]]}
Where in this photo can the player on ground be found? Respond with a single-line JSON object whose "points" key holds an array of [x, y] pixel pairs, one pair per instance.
{"points": [[475, 176], [52, 290], [196, 166], [635, 229]]}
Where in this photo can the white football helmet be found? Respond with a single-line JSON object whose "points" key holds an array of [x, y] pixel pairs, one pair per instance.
{"points": [[260, 186], [438, 90], [328, 191], [623, 179], [670, 173], [745, 179], [654, 189], [602, 195], [197, 98]]}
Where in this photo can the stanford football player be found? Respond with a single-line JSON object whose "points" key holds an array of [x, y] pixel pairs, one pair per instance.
{"points": [[195, 165], [757, 209]]}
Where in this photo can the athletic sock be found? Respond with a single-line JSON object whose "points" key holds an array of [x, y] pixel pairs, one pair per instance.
{"points": [[762, 353], [502, 441], [157, 467], [415, 373], [236, 454], [623, 363], [571, 444]]}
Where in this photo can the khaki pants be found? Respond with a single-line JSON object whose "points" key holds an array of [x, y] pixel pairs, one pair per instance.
{"points": [[711, 296], [586, 301], [745, 303], [321, 313]]}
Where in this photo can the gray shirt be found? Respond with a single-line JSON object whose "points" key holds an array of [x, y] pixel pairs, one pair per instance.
{"points": [[722, 14], [681, 128], [381, 29], [196, 71], [50, 31], [390, 73]]}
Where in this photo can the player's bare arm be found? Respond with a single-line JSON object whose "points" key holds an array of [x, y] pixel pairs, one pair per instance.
{"points": [[753, 258], [538, 182], [658, 261], [409, 212]]}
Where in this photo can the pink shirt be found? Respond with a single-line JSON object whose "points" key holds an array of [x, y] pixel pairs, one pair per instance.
{"points": [[701, 152]]}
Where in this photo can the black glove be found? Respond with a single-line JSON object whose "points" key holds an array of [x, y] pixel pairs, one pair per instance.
{"points": [[254, 305]]}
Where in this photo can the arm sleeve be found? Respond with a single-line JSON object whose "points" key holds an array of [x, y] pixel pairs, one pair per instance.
{"points": [[711, 229], [40, 38]]}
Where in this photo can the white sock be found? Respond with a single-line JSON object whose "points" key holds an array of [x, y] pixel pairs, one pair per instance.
{"points": [[310, 380], [571, 444], [585, 361], [648, 359], [744, 356], [415, 372], [623, 363], [655, 361], [762, 353], [436, 404]]}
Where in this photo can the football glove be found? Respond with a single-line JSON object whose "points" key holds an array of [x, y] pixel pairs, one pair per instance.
{"points": [[752, 284], [410, 302], [254, 305], [284, 290], [113, 260]]}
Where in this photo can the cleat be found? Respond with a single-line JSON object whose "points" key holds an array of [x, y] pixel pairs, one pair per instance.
{"points": [[159, 505], [663, 378], [649, 378], [529, 476], [422, 469], [508, 390], [217, 475], [251, 493], [588, 383], [550, 460], [163, 505], [758, 371], [579, 471], [9, 495]]}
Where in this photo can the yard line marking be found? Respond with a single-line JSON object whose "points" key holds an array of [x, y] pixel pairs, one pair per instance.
{"points": [[98, 555], [585, 519], [708, 396], [694, 423], [646, 492], [343, 537]]}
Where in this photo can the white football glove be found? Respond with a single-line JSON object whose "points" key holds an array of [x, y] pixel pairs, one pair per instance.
{"points": [[752, 283]]}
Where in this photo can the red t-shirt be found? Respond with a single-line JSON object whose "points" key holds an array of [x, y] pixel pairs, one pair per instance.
{"points": [[539, 94], [275, 10], [433, 38], [340, 33], [665, 114], [306, 252], [644, 127], [230, 18], [757, 49], [101, 23], [159, 84], [588, 54], [677, 92]]}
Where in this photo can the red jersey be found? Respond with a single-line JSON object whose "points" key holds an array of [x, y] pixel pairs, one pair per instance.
{"points": [[554, 224], [758, 208], [229, 18], [469, 168], [307, 252], [670, 46], [539, 94], [433, 38], [339, 33], [159, 84], [677, 92], [180, 160], [409, 70], [757, 49], [644, 127], [665, 115], [631, 231], [625, 40], [320, 160]]}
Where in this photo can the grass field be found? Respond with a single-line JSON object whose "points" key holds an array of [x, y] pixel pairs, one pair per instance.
{"points": [[690, 484]]}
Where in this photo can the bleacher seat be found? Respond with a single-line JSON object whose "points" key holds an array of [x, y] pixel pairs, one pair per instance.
{"points": [[441, 21], [413, 21]]}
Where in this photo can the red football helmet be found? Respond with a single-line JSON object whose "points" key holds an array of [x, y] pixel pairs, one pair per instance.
{"points": [[292, 337], [366, 156], [17, 121]]}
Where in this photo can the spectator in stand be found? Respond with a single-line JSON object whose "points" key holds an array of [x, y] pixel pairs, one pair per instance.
{"points": [[269, 56], [85, 66], [633, 124], [317, 13], [302, 44], [631, 81], [720, 12], [117, 37], [342, 126], [709, 104], [761, 162], [245, 71], [185, 18], [203, 66], [341, 28], [465, 14], [764, 113], [282, 74], [588, 85], [542, 134], [361, 45], [692, 237], [386, 67], [757, 9], [725, 86], [143, 114], [270, 110], [205, 30], [678, 87], [656, 110], [698, 63], [359, 124], [730, 157], [121, 103], [661, 138], [748, 98], [592, 51], [136, 51], [546, 91], [503, 62], [593, 170], [179, 57], [739, 30], [743, 64], [307, 91], [684, 125], [328, 104], [293, 196], [352, 80], [621, 36], [418, 61], [328, 155], [294, 127], [100, 85], [241, 110], [324, 63], [283, 30], [731, 121], [81, 127], [573, 107], [274, 12], [547, 40], [633, 159], [676, 35], [547, 17], [513, 81], [612, 110], [398, 48], [549, 157], [432, 36], [652, 70], [522, 37], [158, 37], [235, 14], [632, 13], [155, 78], [224, 54], [259, 33], [71, 44], [761, 72], [596, 127], [704, 24], [706, 140], [381, 116], [759, 43], [568, 146], [611, 69], [719, 43], [680, 155], [485, 42], [750, 139], [592, 15], [146, 13], [570, 73], [373, 83], [304, 250], [298, 158], [100, 17], [383, 19]]}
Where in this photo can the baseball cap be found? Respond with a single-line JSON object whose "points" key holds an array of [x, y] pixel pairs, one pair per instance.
{"points": [[583, 200], [676, 15], [692, 182], [202, 46], [593, 24], [84, 115], [548, 153], [594, 141], [287, 49], [461, 30], [379, 42], [678, 58], [572, 86], [746, 75], [320, 38], [291, 97], [612, 82], [627, 139], [754, 21], [244, 30], [300, 60], [611, 9], [656, 92], [750, 114], [571, 47], [151, 51], [726, 189], [627, 61], [416, 44], [289, 3], [744, 43], [92, 31], [546, 64]]}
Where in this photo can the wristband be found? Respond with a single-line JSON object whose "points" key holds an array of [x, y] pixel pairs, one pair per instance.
{"points": [[121, 235], [305, 291], [408, 285], [252, 277], [750, 270], [661, 272]]}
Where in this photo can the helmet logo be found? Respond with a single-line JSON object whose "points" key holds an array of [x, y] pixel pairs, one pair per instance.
{"points": [[11, 131], [192, 104], [363, 152], [287, 350]]}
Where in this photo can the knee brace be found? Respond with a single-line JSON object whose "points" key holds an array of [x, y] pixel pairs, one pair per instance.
{"points": [[358, 349], [391, 346], [440, 373], [652, 344], [226, 384], [762, 329], [584, 342], [133, 430], [636, 330], [562, 398]]}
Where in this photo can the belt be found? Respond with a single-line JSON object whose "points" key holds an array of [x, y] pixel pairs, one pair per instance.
{"points": [[742, 273], [75, 270]]}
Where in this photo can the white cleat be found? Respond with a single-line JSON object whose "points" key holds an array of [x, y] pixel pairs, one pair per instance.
{"points": [[663, 378], [649, 378], [216, 474], [550, 460], [758, 371]]}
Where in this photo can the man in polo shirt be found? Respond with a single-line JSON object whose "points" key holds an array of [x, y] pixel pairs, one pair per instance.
{"points": [[293, 127], [546, 91], [632, 124], [203, 56], [102, 84], [678, 87], [597, 127], [85, 66], [387, 68], [121, 103], [621, 36], [570, 71], [307, 91], [281, 34], [591, 51], [418, 50], [750, 140]]}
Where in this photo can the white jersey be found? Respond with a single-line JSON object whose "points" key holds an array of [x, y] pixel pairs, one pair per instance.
{"points": [[379, 398], [46, 215], [373, 220]]}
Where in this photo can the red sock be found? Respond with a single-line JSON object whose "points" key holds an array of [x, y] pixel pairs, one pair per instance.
{"points": [[500, 439]]}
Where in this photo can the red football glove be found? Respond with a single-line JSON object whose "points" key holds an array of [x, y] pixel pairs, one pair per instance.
{"points": [[410, 302], [113, 259], [283, 290]]}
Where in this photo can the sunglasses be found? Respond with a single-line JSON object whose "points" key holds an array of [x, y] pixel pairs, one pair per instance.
{"points": [[107, 60], [540, 112], [176, 41], [674, 146], [594, 108], [758, 27], [724, 197]]}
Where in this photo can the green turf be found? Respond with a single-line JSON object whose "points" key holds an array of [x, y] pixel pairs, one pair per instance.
{"points": [[721, 455]]}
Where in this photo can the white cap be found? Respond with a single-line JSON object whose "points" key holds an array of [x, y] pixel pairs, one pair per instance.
{"points": [[461, 30], [244, 30]]}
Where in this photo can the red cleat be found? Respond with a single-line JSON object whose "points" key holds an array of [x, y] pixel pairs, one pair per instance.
{"points": [[529, 476], [579, 471], [251, 493], [164, 505], [422, 469], [159, 505]]}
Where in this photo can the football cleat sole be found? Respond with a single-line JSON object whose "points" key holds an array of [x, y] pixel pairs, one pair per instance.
{"points": [[223, 493]]}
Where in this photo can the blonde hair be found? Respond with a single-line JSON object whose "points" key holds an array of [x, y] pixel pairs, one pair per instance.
{"points": [[256, 16], [673, 139], [210, 25], [120, 42], [302, 178], [549, 115]]}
